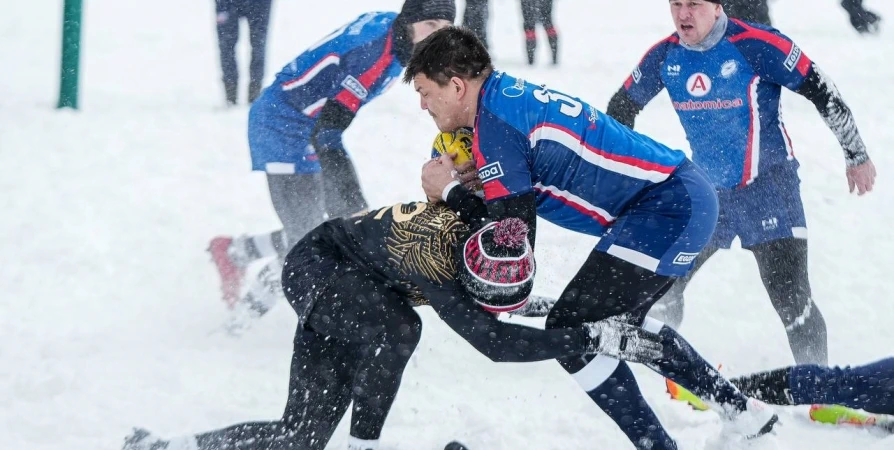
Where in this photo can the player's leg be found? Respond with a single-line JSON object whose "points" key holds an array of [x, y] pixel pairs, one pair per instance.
{"points": [[341, 186], [869, 387], [669, 309], [227, 36], [321, 376], [783, 268], [773, 226], [258, 19], [529, 24], [546, 18], [386, 329], [605, 287], [475, 18]]}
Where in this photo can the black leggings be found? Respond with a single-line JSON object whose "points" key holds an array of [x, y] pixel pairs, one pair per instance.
{"points": [[783, 269], [353, 347]]}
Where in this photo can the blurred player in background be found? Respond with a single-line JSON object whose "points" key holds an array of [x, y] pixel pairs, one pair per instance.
{"points": [[475, 18], [543, 153], [724, 77], [758, 11], [295, 135], [257, 14], [539, 12]]}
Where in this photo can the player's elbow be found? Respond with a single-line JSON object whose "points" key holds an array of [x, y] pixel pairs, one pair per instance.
{"points": [[622, 108]]}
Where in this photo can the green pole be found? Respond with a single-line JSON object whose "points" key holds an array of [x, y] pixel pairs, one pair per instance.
{"points": [[71, 54]]}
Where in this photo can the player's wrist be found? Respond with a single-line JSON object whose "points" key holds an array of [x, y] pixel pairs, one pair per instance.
{"points": [[448, 188]]}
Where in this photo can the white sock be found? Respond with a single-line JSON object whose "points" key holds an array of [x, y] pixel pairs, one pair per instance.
{"points": [[362, 444]]}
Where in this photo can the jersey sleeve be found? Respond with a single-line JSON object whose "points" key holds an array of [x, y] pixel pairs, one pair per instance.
{"points": [[501, 155], [361, 69], [500, 341], [644, 83], [772, 55]]}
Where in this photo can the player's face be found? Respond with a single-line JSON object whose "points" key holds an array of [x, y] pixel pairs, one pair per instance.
{"points": [[694, 19], [443, 103], [422, 30]]}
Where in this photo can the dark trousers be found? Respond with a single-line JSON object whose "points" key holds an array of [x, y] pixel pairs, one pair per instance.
{"points": [[475, 18], [534, 12], [257, 14], [355, 336], [783, 269]]}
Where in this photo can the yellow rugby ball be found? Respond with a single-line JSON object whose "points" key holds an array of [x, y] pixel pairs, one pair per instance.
{"points": [[457, 143]]}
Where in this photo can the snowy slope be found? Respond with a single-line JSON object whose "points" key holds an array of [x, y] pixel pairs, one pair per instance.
{"points": [[109, 304]]}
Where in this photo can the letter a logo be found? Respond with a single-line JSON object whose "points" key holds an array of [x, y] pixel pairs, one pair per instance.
{"points": [[698, 85]]}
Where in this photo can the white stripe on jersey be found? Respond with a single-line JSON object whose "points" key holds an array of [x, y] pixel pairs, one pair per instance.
{"points": [[327, 61], [573, 143], [314, 107], [568, 197], [789, 151], [755, 149]]}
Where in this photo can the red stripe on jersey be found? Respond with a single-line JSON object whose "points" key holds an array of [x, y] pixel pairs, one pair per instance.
{"points": [[672, 39], [784, 45], [628, 160], [349, 99], [580, 208]]}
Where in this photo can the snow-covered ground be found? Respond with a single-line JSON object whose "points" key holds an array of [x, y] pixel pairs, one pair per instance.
{"points": [[109, 306]]}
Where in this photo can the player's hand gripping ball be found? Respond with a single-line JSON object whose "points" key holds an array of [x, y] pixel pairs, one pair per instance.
{"points": [[457, 143]]}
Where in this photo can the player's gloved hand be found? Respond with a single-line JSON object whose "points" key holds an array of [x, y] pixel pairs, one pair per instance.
{"points": [[623, 341], [864, 21]]}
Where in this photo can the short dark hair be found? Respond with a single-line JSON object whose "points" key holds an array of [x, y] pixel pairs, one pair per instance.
{"points": [[447, 53]]}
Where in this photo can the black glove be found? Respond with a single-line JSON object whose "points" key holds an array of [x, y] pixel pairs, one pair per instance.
{"points": [[864, 21], [623, 341]]}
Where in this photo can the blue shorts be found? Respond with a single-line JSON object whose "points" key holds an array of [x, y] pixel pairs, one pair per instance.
{"points": [[668, 226], [279, 138], [768, 209]]}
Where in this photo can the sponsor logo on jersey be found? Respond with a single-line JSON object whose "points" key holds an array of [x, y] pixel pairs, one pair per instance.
{"points": [[673, 70], [729, 68], [516, 90], [637, 75], [684, 258], [792, 59], [490, 172], [700, 105], [698, 84], [770, 224], [355, 87]]}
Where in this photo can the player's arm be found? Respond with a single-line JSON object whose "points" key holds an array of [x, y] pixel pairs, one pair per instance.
{"points": [[820, 90], [775, 58], [643, 84], [473, 210], [506, 342]]}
